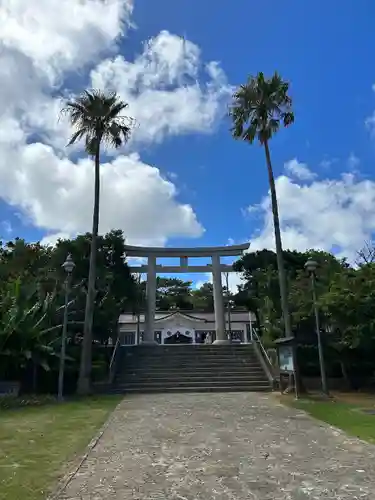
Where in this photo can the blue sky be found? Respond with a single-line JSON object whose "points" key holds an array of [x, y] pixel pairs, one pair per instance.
{"points": [[323, 163], [323, 48]]}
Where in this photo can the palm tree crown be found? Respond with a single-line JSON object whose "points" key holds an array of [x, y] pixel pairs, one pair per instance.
{"points": [[96, 117], [259, 107]]}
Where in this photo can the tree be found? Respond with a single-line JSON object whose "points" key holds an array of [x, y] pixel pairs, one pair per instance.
{"points": [[18, 258], [28, 328], [258, 110], [32, 304], [366, 255], [116, 288], [300, 291], [348, 305], [96, 118], [260, 291], [173, 293], [203, 297], [261, 288]]}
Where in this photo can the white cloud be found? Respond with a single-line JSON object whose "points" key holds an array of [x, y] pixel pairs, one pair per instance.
{"points": [[59, 35], [327, 163], [299, 170], [52, 239], [353, 162], [162, 89], [42, 44], [134, 196], [328, 214], [234, 280]]}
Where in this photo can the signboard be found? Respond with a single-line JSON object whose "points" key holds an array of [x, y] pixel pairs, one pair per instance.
{"points": [[286, 359]]}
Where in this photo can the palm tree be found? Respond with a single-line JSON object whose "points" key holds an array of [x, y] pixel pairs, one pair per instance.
{"points": [[96, 118], [258, 110]]}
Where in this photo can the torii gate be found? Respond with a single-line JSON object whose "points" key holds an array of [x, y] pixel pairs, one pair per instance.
{"points": [[216, 268]]}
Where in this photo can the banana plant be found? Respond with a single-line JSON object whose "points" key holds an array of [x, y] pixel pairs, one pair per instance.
{"points": [[29, 325]]}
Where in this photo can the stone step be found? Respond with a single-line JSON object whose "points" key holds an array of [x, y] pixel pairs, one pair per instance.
{"points": [[188, 366], [195, 383], [187, 358], [187, 361], [165, 376], [193, 353], [165, 347], [188, 348], [207, 388], [204, 370], [159, 351], [194, 364]]}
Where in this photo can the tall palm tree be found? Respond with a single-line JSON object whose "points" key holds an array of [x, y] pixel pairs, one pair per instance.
{"points": [[96, 118], [258, 110]]}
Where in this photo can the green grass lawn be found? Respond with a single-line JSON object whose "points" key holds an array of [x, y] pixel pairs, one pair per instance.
{"points": [[344, 412], [36, 444]]}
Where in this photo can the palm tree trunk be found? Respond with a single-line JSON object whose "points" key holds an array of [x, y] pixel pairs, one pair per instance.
{"points": [[280, 266], [84, 381], [279, 248]]}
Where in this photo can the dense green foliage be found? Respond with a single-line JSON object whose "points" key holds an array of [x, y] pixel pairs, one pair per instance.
{"points": [[345, 298], [32, 306], [32, 302]]}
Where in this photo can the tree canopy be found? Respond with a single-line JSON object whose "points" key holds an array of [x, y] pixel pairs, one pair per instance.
{"points": [[32, 301], [32, 297]]}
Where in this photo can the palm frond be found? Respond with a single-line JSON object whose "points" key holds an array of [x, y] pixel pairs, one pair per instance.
{"points": [[77, 136], [259, 107], [116, 108], [288, 118], [95, 115]]}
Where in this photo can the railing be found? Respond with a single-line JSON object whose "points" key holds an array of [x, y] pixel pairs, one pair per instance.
{"points": [[112, 363], [263, 356], [256, 337]]}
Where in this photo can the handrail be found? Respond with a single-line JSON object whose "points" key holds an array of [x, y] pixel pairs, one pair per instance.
{"points": [[113, 357], [257, 339], [263, 357]]}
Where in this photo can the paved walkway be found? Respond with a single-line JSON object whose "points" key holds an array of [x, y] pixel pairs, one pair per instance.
{"points": [[221, 447]]}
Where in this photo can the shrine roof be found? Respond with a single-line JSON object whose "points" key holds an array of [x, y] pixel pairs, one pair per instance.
{"points": [[170, 314]]}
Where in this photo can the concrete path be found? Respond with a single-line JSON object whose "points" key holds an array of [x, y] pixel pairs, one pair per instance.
{"points": [[221, 447]]}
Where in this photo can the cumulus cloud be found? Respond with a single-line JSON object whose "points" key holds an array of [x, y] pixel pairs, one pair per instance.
{"points": [[60, 35], [330, 214], [170, 91], [299, 170], [162, 88], [134, 195], [353, 162]]}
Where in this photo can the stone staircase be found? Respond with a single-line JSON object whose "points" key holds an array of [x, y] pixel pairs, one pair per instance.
{"points": [[189, 368]]}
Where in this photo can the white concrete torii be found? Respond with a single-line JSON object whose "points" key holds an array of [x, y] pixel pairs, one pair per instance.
{"points": [[216, 268]]}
